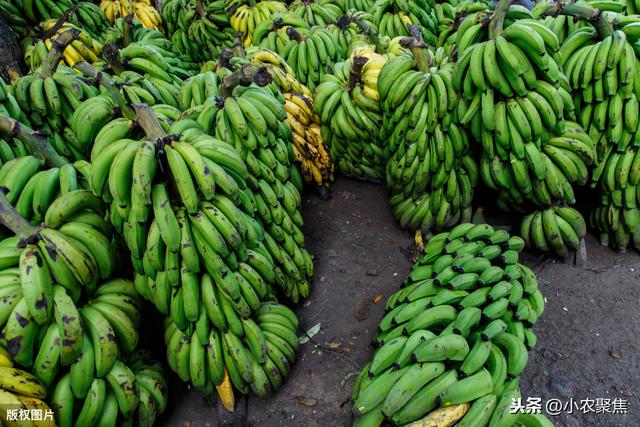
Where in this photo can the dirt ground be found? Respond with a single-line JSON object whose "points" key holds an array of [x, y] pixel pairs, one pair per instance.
{"points": [[588, 346]]}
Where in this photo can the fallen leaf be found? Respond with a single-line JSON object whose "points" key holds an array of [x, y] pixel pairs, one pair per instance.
{"points": [[306, 401], [372, 272], [627, 392], [356, 214], [615, 354], [323, 279], [186, 423], [370, 222], [309, 334], [377, 299]]}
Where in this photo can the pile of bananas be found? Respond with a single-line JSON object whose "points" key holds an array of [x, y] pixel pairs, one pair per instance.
{"points": [[251, 353], [245, 17], [20, 390], [351, 116], [454, 340], [142, 10], [430, 172]]}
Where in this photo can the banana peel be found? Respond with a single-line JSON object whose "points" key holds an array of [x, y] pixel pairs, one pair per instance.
{"points": [[442, 417], [225, 391]]}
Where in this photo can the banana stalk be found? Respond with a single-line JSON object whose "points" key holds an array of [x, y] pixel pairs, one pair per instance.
{"points": [[34, 141], [104, 80]]}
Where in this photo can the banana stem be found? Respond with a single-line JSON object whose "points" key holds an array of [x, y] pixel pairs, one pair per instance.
{"points": [[101, 78], [11, 219], [591, 15], [112, 55], [246, 75], [372, 34], [60, 22], [496, 25], [420, 53], [54, 56], [357, 65], [294, 34], [149, 122], [224, 59], [35, 142], [238, 45], [200, 9], [127, 29]]}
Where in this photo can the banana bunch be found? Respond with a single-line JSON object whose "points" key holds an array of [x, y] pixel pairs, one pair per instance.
{"points": [[197, 90], [456, 333], [602, 75], [317, 13], [359, 5], [87, 341], [133, 393], [245, 18], [84, 48], [199, 28], [558, 229], [87, 120], [311, 55], [35, 12], [254, 121], [349, 109], [90, 18], [20, 390], [281, 72], [545, 174], [516, 101], [10, 107], [430, 173], [251, 353], [178, 15], [343, 32], [15, 17], [77, 239], [36, 301], [155, 63], [11, 150], [429, 191], [309, 150], [51, 98], [448, 21], [142, 10], [616, 226], [392, 18], [272, 34]]}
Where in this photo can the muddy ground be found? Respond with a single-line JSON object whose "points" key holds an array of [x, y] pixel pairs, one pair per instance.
{"points": [[588, 346]]}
